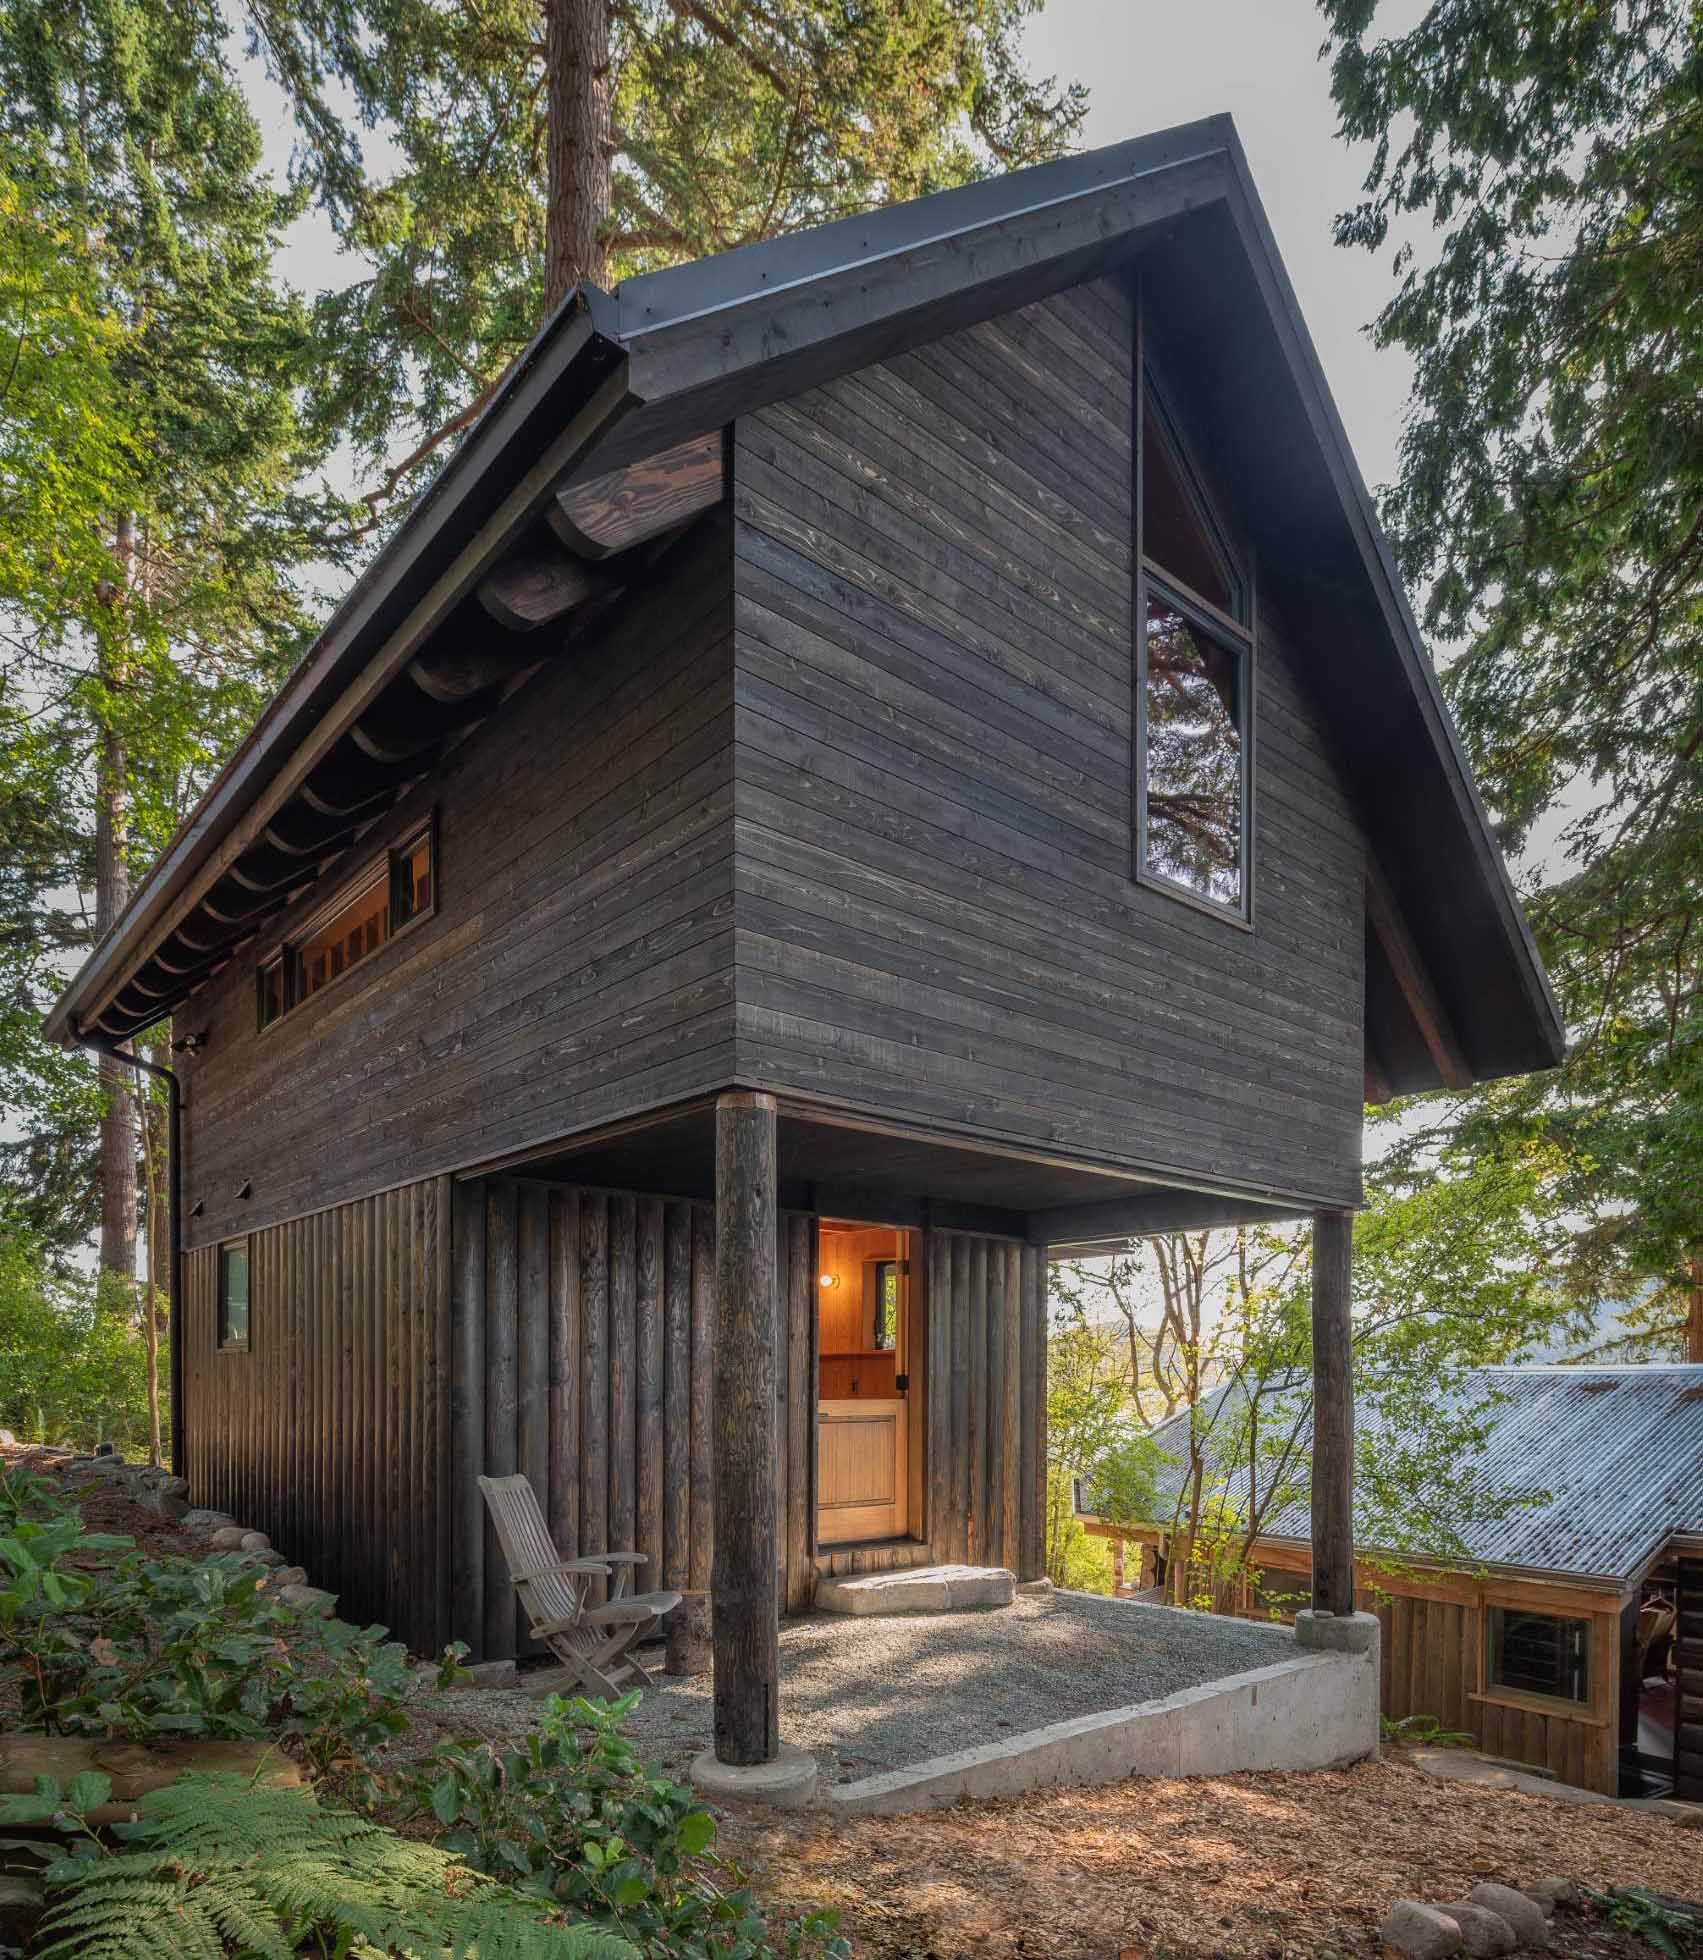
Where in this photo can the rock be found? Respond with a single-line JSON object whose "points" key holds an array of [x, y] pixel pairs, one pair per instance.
{"points": [[256, 1541], [309, 1599], [1523, 1914], [269, 1558], [287, 1575], [228, 1538], [7, 1440], [1486, 1933], [1552, 1892], [199, 1518], [1420, 1930]]}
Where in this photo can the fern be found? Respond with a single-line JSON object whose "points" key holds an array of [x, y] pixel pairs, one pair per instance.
{"points": [[214, 1866]]}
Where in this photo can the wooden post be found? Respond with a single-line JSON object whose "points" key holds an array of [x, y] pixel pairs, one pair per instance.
{"points": [[745, 1594], [1333, 1412]]}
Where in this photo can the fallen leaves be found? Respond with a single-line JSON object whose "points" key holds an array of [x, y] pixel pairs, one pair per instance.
{"points": [[1259, 1866]]}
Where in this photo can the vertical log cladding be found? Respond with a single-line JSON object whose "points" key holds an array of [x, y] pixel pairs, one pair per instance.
{"points": [[532, 1350], [746, 1630], [648, 1392], [676, 1416], [502, 1280], [292, 1436], [467, 1419], [1333, 1412], [623, 1383], [563, 1498], [594, 1379], [700, 1561], [1032, 1497]]}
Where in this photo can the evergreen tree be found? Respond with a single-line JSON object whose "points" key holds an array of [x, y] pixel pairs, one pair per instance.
{"points": [[589, 139], [146, 581], [1551, 497]]}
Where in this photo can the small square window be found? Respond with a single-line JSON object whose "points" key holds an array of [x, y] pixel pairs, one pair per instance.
{"points": [[233, 1294], [1539, 1654]]}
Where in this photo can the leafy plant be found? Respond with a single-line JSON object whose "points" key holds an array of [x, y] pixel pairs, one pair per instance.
{"points": [[214, 1864], [571, 1814], [1669, 1927], [148, 1648], [1423, 1728]]}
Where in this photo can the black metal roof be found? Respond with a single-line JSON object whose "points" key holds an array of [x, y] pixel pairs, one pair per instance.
{"points": [[613, 378]]}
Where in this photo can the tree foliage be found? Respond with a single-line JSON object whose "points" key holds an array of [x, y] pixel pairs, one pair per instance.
{"points": [[155, 489], [1551, 498], [731, 121]]}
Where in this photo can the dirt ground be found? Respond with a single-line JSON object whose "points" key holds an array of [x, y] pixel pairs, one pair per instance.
{"points": [[1277, 1866], [1272, 1867]]}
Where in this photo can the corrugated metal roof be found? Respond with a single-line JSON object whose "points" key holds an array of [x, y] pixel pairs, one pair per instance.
{"points": [[1619, 1452]]}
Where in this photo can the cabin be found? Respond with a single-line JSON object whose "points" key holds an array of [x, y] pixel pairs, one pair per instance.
{"points": [[1563, 1629], [885, 756]]}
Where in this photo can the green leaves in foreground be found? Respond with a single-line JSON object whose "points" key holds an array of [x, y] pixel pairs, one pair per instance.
{"points": [[215, 1865]]}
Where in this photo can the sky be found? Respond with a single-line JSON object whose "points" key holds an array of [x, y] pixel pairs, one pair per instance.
{"points": [[1149, 65]]}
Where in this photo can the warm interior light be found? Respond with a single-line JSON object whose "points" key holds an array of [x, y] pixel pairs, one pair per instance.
{"points": [[830, 1279]]}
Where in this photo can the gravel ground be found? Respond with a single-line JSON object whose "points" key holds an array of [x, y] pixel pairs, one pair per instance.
{"points": [[869, 1695]]}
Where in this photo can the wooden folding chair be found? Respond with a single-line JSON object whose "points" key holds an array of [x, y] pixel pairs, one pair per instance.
{"points": [[596, 1642]]}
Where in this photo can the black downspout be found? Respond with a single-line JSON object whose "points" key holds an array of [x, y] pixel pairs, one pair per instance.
{"points": [[104, 1045]]}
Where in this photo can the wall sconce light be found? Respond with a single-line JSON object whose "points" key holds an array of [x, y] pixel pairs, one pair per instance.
{"points": [[830, 1279]]}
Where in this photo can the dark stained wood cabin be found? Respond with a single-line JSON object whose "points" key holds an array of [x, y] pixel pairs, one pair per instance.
{"points": [[912, 728]]}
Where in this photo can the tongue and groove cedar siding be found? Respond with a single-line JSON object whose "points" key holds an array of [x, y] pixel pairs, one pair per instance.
{"points": [[764, 676]]}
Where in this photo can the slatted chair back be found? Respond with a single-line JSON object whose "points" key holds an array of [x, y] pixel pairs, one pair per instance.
{"points": [[529, 1548]]}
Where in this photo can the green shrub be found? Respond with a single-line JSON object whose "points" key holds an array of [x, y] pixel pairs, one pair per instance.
{"points": [[216, 1865], [571, 1814], [76, 1364], [148, 1648]]}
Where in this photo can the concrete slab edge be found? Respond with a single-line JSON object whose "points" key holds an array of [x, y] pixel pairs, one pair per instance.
{"points": [[1308, 1712]]}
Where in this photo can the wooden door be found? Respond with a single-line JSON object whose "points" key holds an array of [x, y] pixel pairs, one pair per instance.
{"points": [[862, 1470]]}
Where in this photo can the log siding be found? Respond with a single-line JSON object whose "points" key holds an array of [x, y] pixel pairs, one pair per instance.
{"points": [[937, 917]]}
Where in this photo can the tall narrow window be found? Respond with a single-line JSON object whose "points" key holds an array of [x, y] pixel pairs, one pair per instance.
{"points": [[233, 1294], [1195, 662]]}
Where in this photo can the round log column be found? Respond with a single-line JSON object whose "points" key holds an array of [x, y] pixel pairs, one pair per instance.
{"points": [[744, 1591], [1333, 1412]]}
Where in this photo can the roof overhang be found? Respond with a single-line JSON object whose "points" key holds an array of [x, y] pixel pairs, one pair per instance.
{"points": [[613, 380]]}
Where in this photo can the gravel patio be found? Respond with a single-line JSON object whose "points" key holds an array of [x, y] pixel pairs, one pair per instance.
{"points": [[878, 1694]]}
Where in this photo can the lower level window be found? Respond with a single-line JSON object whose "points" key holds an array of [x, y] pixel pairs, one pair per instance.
{"points": [[1538, 1654], [233, 1294]]}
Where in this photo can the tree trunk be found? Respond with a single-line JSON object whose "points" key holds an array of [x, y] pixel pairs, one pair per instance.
{"points": [[112, 893], [1694, 1311], [576, 63]]}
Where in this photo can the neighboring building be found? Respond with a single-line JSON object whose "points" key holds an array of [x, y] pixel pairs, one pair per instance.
{"points": [[1569, 1634], [913, 728]]}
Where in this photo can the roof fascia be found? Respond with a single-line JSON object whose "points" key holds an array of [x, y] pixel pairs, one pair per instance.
{"points": [[272, 760], [1374, 551]]}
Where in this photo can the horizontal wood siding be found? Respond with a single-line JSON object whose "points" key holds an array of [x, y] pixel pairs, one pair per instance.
{"points": [[581, 1321], [580, 962], [331, 1432], [937, 918]]}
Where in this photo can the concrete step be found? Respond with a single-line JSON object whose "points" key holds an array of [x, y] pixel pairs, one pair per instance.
{"points": [[922, 1589]]}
